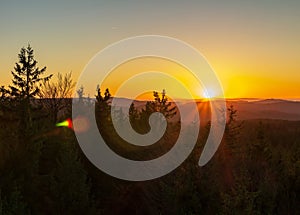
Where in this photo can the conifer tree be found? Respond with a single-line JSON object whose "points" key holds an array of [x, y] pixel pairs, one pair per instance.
{"points": [[27, 78], [161, 105], [3, 94], [102, 104], [26, 84]]}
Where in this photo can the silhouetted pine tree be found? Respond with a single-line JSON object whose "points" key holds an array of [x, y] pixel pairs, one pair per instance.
{"points": [[161, 105], [26, 83], [232, 131], [102, 108], [3, 95]]}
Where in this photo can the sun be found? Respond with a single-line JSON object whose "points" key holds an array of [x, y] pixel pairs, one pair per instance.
{"points": [[207, 94]]}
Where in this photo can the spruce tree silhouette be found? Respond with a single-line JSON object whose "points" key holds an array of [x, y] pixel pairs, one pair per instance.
{"points": [[26, 84]]}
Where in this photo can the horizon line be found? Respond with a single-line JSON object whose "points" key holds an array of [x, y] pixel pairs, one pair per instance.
{"points": [[187, 99]]}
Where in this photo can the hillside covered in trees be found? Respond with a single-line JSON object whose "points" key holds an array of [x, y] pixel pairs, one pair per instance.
{"points": [[256, 169]]}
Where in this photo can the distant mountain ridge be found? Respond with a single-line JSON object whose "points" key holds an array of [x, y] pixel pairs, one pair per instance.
{"points": [[247, 108]]}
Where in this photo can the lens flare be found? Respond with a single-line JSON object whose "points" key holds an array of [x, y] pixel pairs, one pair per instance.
{"points": [[66, 123], [81, 124]]}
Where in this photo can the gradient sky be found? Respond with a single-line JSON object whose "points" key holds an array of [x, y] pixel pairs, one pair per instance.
{"points": [[253, 46]]}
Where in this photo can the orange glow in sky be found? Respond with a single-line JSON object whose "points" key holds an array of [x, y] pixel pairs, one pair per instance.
{"points": [[253, 46]]}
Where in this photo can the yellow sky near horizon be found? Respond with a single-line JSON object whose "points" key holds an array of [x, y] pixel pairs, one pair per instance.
{"points": [[253, 46], [239, 80], [133, 68]]}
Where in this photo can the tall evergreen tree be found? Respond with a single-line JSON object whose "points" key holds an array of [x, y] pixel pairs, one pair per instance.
{"points": [[27, 78], [26, 83]]}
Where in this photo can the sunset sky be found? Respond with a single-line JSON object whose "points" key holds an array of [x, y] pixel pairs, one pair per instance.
{"points": [[253, 46]]}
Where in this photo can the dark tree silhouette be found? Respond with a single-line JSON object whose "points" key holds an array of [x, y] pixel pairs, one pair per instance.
{"points": [[80, 93], [26, 83], [27, 78], [3, 94], [103, 98], [102, 102], [24, 120], [133, 115], [43, 171], [161, 105], [54, 94]]}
